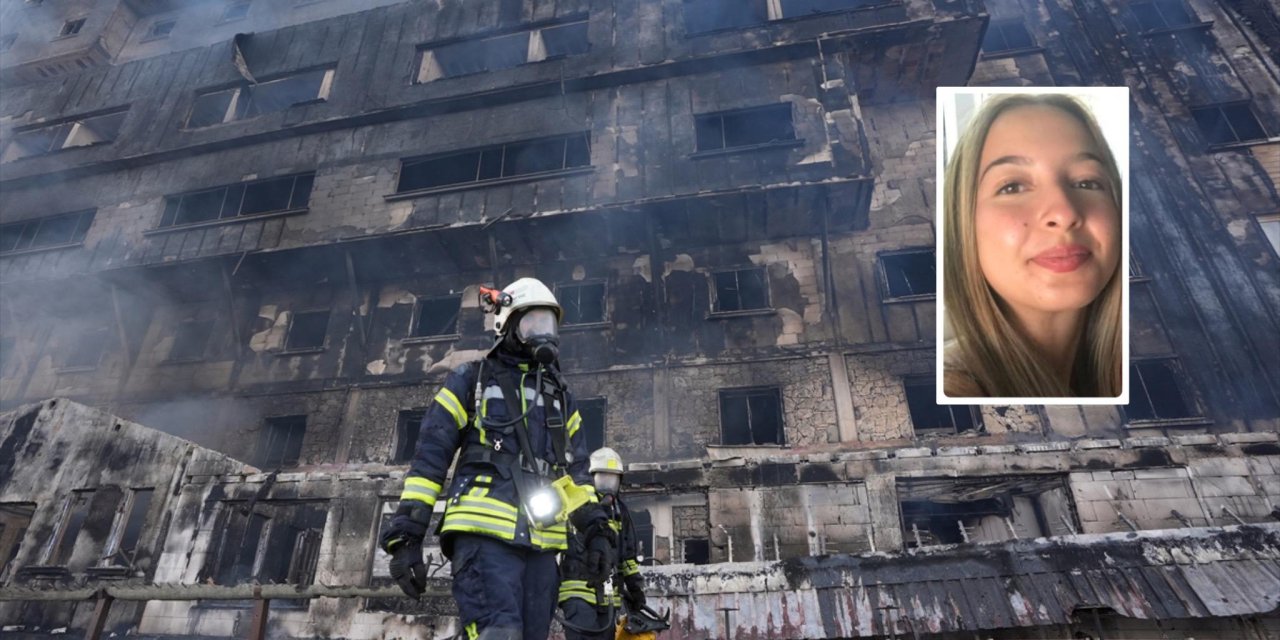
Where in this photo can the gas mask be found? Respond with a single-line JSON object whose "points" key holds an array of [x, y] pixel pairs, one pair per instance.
{"points": [[606, 483], [538, 331]]}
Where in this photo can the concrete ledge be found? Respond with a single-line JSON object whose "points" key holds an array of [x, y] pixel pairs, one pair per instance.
{"points": [[1040, 447], [957, 451], [1103, 443], [913, 452], [877, 454], [1247, 438], [1195, 438], [1146, 441], [990, 449]]}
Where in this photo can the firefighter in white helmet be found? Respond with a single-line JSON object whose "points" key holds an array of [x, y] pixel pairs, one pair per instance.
{"points": [[589, 610], [521, 474]]}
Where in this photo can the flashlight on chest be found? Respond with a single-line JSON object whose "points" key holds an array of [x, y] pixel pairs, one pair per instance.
{"points": [[552, 503]]}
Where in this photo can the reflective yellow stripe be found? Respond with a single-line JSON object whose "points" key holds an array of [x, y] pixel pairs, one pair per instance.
{"points": [[630, 567], [410, 494], [478, 524], [451, 404], [472, 632], [480, 512], [548, 539], [424, 484], [487, 503], [575, 421]]}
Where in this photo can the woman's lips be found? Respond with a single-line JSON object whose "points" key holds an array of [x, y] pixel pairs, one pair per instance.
{"points": [[1063, 259]]}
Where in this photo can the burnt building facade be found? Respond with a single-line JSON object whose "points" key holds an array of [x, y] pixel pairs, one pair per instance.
{"points": [[261, 227]]}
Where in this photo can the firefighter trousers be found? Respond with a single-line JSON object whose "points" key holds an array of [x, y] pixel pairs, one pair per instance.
{"points": [[585, 615], [503, 591]]}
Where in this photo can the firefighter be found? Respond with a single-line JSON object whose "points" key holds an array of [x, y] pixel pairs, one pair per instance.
{"points": [[521, 473], [589, 607]]}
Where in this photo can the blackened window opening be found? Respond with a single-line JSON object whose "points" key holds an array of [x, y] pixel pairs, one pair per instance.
{"points": [[190, 340], [287, 193], [87, 348], [277, 543], [161, 29], [744, 127], [986, 509], [909, 273], [307, 330], [751, 416], [701, 16], [15, 518], [801, 8], [1228, 123], [437, 317], [697, 550], [282, 441], [248, 101], [928, 417], [72, 523], [593, 413], [1153, 15], [76, 132], [408, 426], [582, 303], [643, 523], [50, 231], [504, 51], [1007, 35], [126, 552], [529, 157], [235, 11], [72, 27], [1156, 394], [741, 290]]}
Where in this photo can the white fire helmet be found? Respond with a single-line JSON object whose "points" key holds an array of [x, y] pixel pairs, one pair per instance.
{"points": [[525, 293], [606, 470]]}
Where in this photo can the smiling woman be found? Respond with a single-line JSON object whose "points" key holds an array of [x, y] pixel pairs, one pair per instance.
{"points": [[1032, 245]]}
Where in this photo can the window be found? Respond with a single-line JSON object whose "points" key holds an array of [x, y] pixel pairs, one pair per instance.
{"points": [[274, 195], [15, 517], [1271, 229], [51, 231], [801, 8], [235, 11], [436, 317], [701, 16], [503, 51], [930, 418], [581, 303], [190, 340], [1155, 394], [1006, 35], [248, 101], [275, 543], [741, 290], [408, 425], [908, 274], [643, 522], [989, 509], [744, 127], [529, 157], [1228, 123], [71, 27], [87, 349], [74, 514], [281, 443], [68, 134], [697, 550], [307, 330], [593, 414], [128, 529], [1151, 15], [751, 416], [160, 29], [7, 40]]}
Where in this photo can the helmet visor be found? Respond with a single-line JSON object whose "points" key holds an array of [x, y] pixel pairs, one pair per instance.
{"points": [[606, 482], [537, 322]]}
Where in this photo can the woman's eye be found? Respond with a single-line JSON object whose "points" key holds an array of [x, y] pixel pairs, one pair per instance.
{"points": [[1010, 188], [1093, 185]]}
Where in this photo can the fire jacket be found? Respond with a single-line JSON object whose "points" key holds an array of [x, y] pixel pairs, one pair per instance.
{"points": [[573, 583], [482, 498]]}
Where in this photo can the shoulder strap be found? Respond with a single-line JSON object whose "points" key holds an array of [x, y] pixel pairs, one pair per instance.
{"points": [[553, 393]]}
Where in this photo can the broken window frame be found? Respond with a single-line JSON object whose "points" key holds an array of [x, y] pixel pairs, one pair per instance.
{"points": [[270, 515], [228, 13], [713, 128], [1016, 486], [482, 52], [180, 351], [1269, 225], [9, 555], [569, 295], [291, 347], [925, 390], [452, 302], [1143, 376], [243, 101], [719, 297], [27, 235], [76, 132], [491, 164], [1001, 29], [131, 518], [595, 421], [60, 548], [1240, 109], [160, 29], [232, 199], [94, 341], [293, 430], [408, 429], [71, 28], [745, 395], [889, 265]]}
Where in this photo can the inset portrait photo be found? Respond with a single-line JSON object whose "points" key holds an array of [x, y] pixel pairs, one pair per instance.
{"points": [[1033, 258]]}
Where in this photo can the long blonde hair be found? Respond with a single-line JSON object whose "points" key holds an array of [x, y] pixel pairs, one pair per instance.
{"points": [[991, 353]]}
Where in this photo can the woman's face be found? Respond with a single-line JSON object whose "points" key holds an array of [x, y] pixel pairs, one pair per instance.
{"points": [[1048, 231]]}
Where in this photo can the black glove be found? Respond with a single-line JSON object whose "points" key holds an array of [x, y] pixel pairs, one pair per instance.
{"points": [[602, 553], [589, 516], [403, 541], [633, 591]]}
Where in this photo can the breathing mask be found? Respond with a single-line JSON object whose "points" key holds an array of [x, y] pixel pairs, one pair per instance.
{"points": [[538, 331], [606, 483]]}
